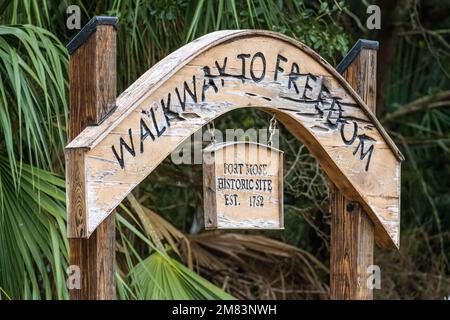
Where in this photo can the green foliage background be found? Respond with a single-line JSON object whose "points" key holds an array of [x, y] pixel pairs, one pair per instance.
{"points": [[179, 260]]}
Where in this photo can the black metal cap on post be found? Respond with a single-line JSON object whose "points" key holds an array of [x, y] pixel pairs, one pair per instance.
{"points": [[354, 51], [90, 28]]}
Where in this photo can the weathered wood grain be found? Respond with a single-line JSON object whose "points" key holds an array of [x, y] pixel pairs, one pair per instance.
{"points": [[226, 70], [351, 249], [352, 231], [209, 187], [92, 97], [92, 72], [76, 192]]}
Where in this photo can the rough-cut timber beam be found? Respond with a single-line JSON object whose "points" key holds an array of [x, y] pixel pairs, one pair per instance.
{"points": [[352, 231], [92, 97]]}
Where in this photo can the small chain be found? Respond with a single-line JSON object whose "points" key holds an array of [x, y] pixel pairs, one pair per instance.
{"points": [[272, 129], [212, 130]]}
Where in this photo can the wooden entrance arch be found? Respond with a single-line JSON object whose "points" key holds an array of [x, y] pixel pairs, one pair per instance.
{"points": [[213, 75]]}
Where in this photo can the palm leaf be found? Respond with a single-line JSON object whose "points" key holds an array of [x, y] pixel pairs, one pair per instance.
{"points": [[32, 96], [159, 276]]}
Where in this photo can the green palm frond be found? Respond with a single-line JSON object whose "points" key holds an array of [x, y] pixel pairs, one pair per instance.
{"points": [[33, 115], [33, 102], [162, 277]]}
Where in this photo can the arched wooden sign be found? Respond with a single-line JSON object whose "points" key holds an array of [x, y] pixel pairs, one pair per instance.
{"points": [[216, 74]]}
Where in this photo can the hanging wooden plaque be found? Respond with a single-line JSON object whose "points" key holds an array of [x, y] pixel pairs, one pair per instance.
{"points": [[243, 186]]}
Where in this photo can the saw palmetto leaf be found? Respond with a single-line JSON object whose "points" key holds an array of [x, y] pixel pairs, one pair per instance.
{"points": [[33, 102]]}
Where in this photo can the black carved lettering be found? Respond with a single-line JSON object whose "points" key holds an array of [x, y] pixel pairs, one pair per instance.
{"points": [[159, 132], [191, 93], [145, 133], [313, 87], [278, 67], [166, 108], [355, 133], [243, 57], [293, 76], [334, 114], [208, 83], [363, 154], [259, 55], [221, 69]]}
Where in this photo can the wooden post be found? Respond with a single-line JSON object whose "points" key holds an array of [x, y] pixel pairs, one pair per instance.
{"points": [[92, 97], [352, 231], [320, 108]]}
